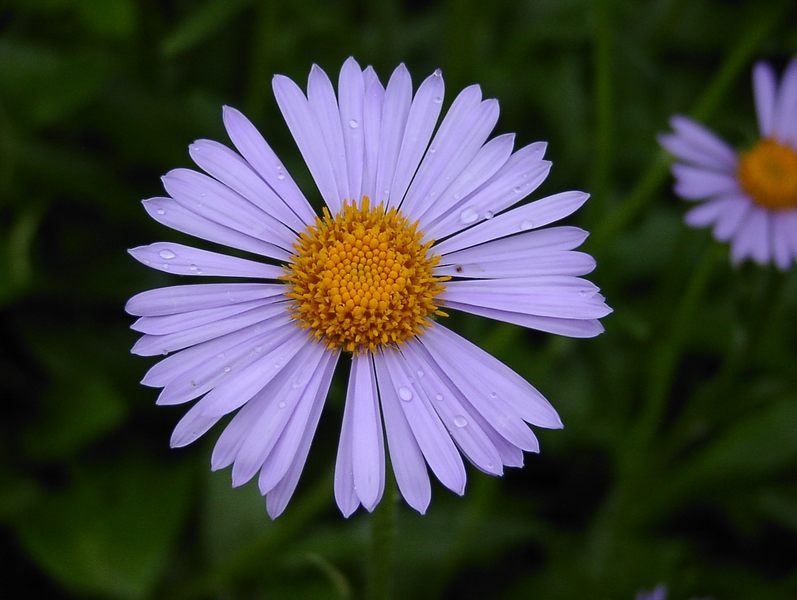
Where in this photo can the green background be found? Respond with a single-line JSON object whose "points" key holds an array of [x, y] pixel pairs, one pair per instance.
{"points": [[678, 461]]}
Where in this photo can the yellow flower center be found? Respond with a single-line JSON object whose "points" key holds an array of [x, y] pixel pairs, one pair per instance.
{"points": [[363, 278], [768, 173]]}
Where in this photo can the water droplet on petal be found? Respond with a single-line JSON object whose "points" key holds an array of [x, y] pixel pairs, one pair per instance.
{"points": [[281, 176], [460, 421], [282, 404], [493, 395], [297, 383], [160, 211], [438, 397], [166, 254], [468, 216], [420, 373], [489, 214], [438, 99], [526, 225], [438, 73], [227, 369], [353, 124], [405, 393], [516, 189], [193, 267]]}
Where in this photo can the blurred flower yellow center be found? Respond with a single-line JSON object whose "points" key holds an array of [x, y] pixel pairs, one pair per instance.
{"points": [[768, 173], [363, 278]]}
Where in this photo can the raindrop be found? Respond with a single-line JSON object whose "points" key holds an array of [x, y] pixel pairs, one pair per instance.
{"points": [[160, 211], [438, 99], [460, 421], [526, 225], [516, 189], [282, 404], [438, 397], [193, 268], [432, 150], [297, 383], [281, 176], [353, 124], [493, 395], [438, 73], [166, 254], [227, 369], [489, 214], [405, 393], [468, 215]]}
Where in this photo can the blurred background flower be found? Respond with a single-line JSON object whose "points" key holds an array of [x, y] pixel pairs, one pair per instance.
{"points": [[677, 461]]}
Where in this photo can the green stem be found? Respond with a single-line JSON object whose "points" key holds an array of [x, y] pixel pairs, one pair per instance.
{"points": [[665, 360], [604, 105], [382, 551]]}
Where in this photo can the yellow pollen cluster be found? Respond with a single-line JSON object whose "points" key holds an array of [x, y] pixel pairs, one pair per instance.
{"points": [[768, 173], [363, 278]]}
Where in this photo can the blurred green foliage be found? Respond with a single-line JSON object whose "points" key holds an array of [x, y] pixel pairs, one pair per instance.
{"points": [[678, 464]]}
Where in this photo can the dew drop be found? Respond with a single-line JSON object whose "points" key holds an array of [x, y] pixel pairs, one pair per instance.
{"points": [[526, 225], [281, 176], [297, 383], [193, 268], [493, 395], [489, 214], [420, 373], [166, 254], [438, 397], [438, 73], [516, 189], [460, 421], [438, 99], [405, 393], [432, 150], [160, 211], [227, 369], [282, 405], [468, 215], [353, 124]]}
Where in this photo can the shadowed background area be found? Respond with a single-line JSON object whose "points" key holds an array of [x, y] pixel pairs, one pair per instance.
{"points": [[677, 461]]}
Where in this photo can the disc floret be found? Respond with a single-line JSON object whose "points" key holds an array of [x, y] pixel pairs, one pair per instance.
{"points": [[363, 278]]}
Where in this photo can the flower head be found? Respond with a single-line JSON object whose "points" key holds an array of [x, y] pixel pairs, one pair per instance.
{"points": [[416, 221], [750, 197]]}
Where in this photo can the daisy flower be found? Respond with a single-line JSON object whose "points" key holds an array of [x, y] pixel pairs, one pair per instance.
{"points": [[748, 197], [416, 223]]}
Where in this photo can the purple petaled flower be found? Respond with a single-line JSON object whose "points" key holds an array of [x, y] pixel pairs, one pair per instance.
{"points": [[410, 226], [749, 198]]}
